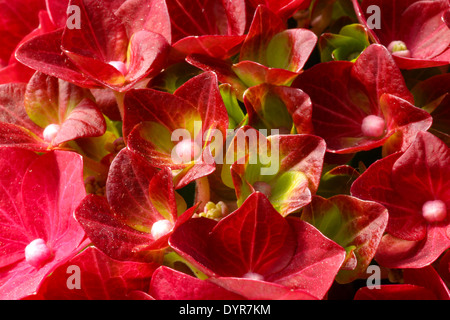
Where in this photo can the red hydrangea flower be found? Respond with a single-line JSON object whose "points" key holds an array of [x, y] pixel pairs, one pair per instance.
{"points": [[111, 47], [186, 126], [169, 284], [254, 250], [215, 149], [213, 28], [284, 8], [279, 107], [414, 31], [288, 177], [16, 127], [19, 21], [354, 224], [46, 113], [362, 105], [270, 53], [414, 187], [139, 213], [38, 197], [91, 270], [419, 284]]}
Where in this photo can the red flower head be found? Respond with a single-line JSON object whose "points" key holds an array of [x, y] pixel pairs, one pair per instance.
{"points": [[284, 8], [47, 113], [414, 187], [270, 54], [414, 31], [419, 284], [14, 30], [186, 123], [254, 250], [108, 46], [213, 28], [38, 197], [362, 105], [139, 213], [81, 277]]}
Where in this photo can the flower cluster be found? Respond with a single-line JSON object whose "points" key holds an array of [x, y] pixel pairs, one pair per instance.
{"points": [[225, 149]]}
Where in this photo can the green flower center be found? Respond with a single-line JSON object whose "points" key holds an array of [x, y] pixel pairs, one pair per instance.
{"points": [[399, 48]]}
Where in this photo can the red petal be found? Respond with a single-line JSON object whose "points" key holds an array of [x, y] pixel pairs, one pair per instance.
{"points": [[422, 173], [109, 234], [148, 53], [12, 107], [153, 16], [168, 284], [349, 222], [101, 37], [14, 164], [86, 120], [13, 135], [206, 18], [17, 20], [259, 102], [427, 277], [215, 46], [99, 278], [376, 70], [255, 238], [315, 263], [398, 253], [283, 8], [190, 240], [395, 292], [51, 60], [127, 189], [51, 189], [265, 26], [260, 290], [203, 92]]}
